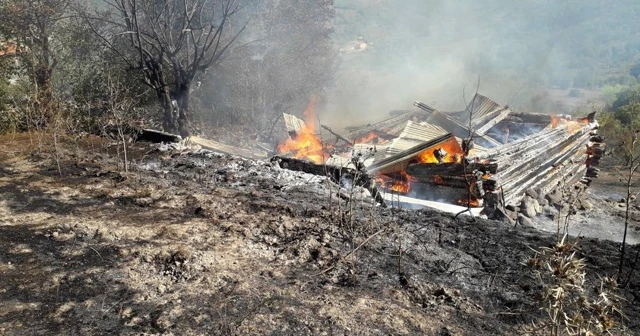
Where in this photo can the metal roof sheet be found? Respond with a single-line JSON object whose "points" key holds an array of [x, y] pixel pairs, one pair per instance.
{"points": [[481, 106], [293, 123]]}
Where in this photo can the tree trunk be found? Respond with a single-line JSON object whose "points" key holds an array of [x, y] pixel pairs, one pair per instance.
{"points": [[168, 122], [45, 92], [43, 69], [164, 96], [182, 97]]}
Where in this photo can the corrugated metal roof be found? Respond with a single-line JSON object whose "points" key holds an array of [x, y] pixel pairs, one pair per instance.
{"points": [[416, 130], [411, 135], [385, 125], [421, 131], [481, 106], [293, 123], [459, 129], [485, 113], [401, 157]]}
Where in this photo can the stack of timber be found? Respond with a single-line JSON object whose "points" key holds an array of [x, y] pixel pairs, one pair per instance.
{"points": [[557, 157]]}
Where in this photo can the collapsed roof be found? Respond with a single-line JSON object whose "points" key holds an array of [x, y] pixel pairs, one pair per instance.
{"points": [[427, 154]]}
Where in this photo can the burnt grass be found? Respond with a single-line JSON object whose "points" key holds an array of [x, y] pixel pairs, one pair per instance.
{"points": [[193, 242]]}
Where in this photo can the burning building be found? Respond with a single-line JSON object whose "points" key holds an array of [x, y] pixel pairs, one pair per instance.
{"points": [[485, 157]]}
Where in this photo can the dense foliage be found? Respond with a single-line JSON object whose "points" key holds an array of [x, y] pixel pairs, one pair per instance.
{"points": [[621, 123], [250, 62]]}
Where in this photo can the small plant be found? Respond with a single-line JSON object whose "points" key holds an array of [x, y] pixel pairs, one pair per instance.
{"points": [[571, 310]]}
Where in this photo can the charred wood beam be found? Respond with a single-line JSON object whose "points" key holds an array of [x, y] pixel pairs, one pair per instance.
{"points": [[524, 178], [151, 135], [567, 176], [552, 144], [536, 140], [436, 193], [333, 172], [459, 182], [427, 170], [536, 158], [571, 156], [337, 135]]}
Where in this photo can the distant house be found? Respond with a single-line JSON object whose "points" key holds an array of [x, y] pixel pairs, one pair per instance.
{"points": [[10, 48]]}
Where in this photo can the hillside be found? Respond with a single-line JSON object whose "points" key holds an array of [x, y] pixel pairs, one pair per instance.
{"points": [[429, 50]]}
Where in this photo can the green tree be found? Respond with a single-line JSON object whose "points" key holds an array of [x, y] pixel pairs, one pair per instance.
{"points": [[33, 25]]}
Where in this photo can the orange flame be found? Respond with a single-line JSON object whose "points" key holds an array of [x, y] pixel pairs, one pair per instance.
{"points": [[572, 125], [400, 185], [367, 138], [473, 202], [451, 146], [404, 185], [306, 144], [583, 120], [555, 120]]}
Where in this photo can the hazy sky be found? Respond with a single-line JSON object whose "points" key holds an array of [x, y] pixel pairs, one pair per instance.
{"points": [[430, 50]]}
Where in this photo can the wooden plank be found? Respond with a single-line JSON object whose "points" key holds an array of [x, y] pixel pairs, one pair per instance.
{"points": [[537, 157], [500, 153], [227, 149], [156, 136], [337, 135]]}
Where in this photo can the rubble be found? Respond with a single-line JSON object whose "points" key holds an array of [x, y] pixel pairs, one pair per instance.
{"points": [[483, 157]]}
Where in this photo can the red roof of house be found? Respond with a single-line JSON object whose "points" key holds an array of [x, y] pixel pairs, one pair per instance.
{"points": [[8, 48]]}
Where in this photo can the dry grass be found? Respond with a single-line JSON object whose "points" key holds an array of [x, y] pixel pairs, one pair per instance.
{"points": [[565, 297]]}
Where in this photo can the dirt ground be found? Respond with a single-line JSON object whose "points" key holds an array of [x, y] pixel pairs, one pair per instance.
{"points": [[199, 243]]}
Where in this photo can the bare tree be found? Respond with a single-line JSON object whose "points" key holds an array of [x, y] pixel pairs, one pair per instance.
{"points": [[467, 145], [631, 160], [169, 42]]}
